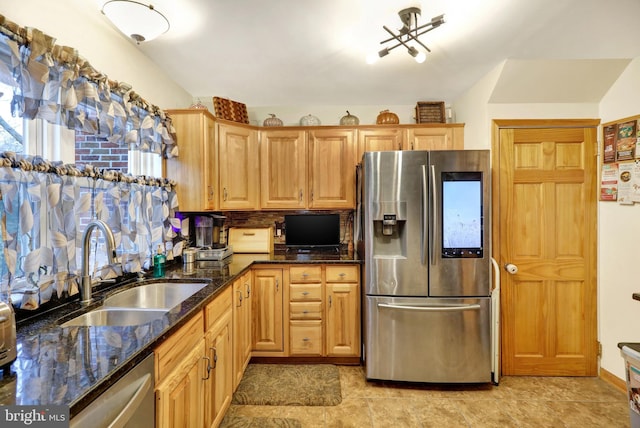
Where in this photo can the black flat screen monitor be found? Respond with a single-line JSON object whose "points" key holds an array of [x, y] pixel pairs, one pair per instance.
{"points": [[312, 230]]}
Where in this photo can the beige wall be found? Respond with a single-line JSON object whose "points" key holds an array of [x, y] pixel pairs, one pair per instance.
{"points": [[619, 238]]}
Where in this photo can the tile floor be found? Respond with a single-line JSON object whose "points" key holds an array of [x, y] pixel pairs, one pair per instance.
{"points": [[516, 402]]}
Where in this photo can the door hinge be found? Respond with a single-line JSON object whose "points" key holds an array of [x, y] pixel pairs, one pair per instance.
{"points": [[599, 349]]}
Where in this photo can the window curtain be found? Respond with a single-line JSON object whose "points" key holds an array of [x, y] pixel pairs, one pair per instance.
{"points": [[55, 83], [45, 206], [42, 259]]}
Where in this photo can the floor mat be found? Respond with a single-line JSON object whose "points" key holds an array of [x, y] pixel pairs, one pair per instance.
{"points": [[248, 422], [289, 385]]}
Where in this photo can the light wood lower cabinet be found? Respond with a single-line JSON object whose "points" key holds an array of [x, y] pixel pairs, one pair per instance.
{"points": [[180, 366], [266, 310], [321, 315], [241, 326], [305, 310], [193, 369], [218, 385]]}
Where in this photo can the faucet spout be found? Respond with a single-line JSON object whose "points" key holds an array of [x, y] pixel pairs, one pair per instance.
{"points": [[85, 285]]}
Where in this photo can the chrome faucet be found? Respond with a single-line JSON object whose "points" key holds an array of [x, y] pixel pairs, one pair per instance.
{"points": [[85, 285]]}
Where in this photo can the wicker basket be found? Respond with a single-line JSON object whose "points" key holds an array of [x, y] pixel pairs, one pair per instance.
{"points": [[230, 110], [430, 112]]}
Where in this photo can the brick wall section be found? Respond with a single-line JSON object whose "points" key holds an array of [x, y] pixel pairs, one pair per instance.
{"points": [[100, 153]]}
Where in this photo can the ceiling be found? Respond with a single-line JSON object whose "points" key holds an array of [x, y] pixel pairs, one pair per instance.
{"points": [[310, 52]]}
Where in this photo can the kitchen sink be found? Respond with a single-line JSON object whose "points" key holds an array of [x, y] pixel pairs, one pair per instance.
{"points": [[156, 295], [114, 317]]}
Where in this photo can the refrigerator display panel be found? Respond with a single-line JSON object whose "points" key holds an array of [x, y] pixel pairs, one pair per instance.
{"points": [[462, 221]]}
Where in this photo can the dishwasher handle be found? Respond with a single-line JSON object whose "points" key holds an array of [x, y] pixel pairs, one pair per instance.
{"points": [[474, 307], [133, 404]]}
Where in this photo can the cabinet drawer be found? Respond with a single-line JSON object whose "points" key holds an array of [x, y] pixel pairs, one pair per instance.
{"points": [[305, 310], [172, 351], [342, 273], [217, 307], [305, 337], [305, 274], [301, 292]]}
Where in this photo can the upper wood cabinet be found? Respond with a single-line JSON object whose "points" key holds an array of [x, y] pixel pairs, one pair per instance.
{"points": [[239, 167], [449, 137], [195, 170], [227, 166], [311, 169], [378, 139], [283, 169], [331, 169]]}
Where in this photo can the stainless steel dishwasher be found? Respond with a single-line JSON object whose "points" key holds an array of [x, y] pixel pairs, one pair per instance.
{"points": [[128, 403]]}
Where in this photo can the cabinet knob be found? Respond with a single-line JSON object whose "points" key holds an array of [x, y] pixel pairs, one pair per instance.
{"points": [[224, 194]]}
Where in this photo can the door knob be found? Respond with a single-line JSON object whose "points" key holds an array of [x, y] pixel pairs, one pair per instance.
{"points": [[511, 268]]}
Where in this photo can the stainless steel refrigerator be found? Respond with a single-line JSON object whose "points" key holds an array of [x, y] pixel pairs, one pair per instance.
{"points": [[425, 231]]}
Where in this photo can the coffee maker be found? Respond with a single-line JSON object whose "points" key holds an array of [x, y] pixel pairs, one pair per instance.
{"points": [[211, 237]]}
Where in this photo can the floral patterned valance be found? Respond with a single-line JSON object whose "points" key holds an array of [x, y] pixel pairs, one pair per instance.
{"points": [[56, 84]]}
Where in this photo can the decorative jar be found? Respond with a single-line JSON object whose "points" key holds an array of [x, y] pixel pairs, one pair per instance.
{"points": [[309, 120], [349, 120]]}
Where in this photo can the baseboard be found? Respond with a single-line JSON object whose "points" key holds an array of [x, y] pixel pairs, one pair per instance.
{"points": [[614, 380], [306, 360]]}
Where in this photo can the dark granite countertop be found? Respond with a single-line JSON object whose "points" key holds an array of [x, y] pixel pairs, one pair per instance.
{"points": [[74, 365]]}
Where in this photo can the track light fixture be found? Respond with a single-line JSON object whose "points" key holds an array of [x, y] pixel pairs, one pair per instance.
{"points": [[408, 35]]}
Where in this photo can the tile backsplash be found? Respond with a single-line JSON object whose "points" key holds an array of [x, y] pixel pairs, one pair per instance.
{"points": [[270, 218]]}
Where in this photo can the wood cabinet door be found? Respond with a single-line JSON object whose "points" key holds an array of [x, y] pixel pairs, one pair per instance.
{"points": [[241, 326], [179, 400], [331, 169], [195, 170], [266, 310], [378, 140], [343, 319], [430, 138], [219, 384], [239, 167], [283, 169]]}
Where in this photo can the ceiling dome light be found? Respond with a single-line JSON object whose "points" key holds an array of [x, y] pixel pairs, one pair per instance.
{"points": [[137, 20]]}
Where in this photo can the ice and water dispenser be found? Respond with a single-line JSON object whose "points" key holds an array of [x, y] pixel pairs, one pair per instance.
{"points": [[389, 220]]}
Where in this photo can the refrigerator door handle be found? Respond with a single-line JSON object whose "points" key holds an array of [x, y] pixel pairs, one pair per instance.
{"points": [[423, 220], [432, 308], [434, 215]]}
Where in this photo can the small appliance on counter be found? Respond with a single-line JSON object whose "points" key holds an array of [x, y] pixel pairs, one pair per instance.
{"points": [[7, 336], [211, 237]]}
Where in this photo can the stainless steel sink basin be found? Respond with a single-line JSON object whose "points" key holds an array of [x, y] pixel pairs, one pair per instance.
{"points": [[156, 295], [113, 317]]}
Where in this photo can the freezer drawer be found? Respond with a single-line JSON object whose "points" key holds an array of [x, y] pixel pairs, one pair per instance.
{"points": [[428, 340]]}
